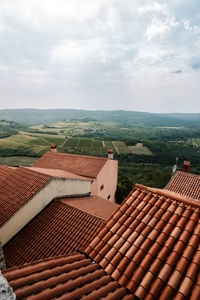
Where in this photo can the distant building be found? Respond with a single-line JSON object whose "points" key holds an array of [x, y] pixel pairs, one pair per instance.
{"points": [[101, 170], [185, 183]]}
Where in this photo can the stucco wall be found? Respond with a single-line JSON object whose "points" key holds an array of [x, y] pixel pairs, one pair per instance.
{"points": [[108, 178], [57, 187]]}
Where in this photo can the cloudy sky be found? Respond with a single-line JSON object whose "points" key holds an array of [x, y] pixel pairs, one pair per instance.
{"points": [[141, 55]]}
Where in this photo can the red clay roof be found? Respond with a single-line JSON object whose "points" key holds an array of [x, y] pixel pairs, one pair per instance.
{"points": [[5, 171], [65, 277], [93, 205], [57, 173], [186, 184], [151, 245], [17, 188], [59, 229], [82, 165]]}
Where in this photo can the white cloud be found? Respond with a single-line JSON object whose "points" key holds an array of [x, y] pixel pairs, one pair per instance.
{"points": [[188, 27], [79, 52], [159, 27], [153, 7]]}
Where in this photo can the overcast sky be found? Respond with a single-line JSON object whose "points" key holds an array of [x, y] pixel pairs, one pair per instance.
{"points": [[138, 55]]}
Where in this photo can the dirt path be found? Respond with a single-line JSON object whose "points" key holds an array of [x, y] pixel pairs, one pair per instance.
{"points": [[65, 141], [115, 148]]}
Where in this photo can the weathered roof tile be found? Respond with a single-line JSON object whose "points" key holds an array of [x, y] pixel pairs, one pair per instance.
{"points": [[82, 165], [63, 226], [66, 277]]}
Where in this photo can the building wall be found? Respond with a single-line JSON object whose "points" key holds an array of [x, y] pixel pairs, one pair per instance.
{"points": [[57, 187], [106, 182]]}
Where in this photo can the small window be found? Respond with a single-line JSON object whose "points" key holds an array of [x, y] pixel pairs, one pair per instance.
{"points": [[101, 187], [108, 197]]}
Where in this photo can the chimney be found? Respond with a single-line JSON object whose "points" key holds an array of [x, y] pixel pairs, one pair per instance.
{"points": [[53, 148], [186, 166], [110, 153]]}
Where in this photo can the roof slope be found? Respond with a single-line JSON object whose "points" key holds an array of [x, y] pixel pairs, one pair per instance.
{"points": [[59, 229], [65, 277], [93, 205], [82, 165], [5, 171], [17, 188], [186, 184], [151, 245]]}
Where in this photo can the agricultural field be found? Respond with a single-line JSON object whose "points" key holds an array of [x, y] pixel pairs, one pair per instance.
{"points": [[195, 142], [140, 149], [40, 143], [18, 161], [145, 155]]}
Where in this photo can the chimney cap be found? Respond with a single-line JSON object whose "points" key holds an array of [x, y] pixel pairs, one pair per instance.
{"points": [[110, 151], [186, 166], [53, 146]]}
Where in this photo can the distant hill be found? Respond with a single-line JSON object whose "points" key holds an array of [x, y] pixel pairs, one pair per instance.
{"points": [[130, 118]]}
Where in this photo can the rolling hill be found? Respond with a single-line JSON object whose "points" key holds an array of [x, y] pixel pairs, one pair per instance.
{"points": [[130, 118]]}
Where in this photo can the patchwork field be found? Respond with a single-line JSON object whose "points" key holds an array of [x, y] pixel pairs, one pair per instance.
{"points": [[40, 143]]}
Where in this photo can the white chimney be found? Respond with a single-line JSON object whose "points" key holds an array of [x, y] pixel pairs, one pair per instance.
{"points": [[53, 148], [110, 153]]}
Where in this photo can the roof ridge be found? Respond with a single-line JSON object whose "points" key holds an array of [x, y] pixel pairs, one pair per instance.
{"points": [[172, 195], [80, 155], [190, 174]]}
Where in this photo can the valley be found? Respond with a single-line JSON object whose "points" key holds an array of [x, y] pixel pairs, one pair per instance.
{"points": [[146, 155]]}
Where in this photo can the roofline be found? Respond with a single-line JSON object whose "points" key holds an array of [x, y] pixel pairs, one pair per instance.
{"points": [[86, 156], [172, 195]]}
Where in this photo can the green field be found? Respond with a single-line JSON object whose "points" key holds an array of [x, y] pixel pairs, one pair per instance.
{"points": [[195, 142], [140, 149], [40, 144], [18, 161]]}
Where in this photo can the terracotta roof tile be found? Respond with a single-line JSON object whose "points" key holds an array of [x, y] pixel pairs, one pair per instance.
{"points": [[82, 165], [93, 205], [66, 277], [186, 184], [17, 188], [5, 171], [59, 229], [159, 257]]}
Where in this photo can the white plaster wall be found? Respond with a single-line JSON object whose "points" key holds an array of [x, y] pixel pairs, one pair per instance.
{"points": [[57, 187], [107, 177]]}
